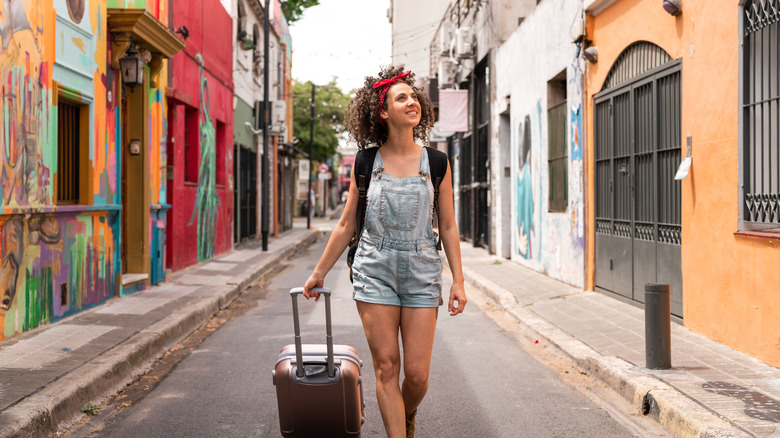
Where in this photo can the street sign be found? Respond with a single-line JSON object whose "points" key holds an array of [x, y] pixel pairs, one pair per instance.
{"points": [[324, 168], [325, 176]]}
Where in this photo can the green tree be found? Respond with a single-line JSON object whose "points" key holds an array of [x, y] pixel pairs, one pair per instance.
{"points": [[293, 9], [329, 106]]}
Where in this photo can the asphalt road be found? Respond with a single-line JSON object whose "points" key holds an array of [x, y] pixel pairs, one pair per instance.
{"points": [[483, 382]]}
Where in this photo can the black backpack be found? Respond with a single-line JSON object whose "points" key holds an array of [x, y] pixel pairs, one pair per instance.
{"points": [[364, 164]]}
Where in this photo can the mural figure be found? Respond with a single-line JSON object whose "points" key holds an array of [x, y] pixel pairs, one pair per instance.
{"points": [[525, 195], [40, 228], [15, 20], [76, 10], [207, 199]]}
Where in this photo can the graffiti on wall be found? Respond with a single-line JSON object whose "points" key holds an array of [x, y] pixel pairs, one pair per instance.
{"points": [[23, 176], [524, 226], [53, 261], [575, 181], [207, 200]]}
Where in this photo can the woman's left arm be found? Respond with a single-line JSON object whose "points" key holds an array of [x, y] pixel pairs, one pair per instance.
{"points": [[448, 230]]}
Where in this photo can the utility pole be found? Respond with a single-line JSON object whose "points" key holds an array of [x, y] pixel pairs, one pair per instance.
{"points": [[266, 123], [311, 154]]}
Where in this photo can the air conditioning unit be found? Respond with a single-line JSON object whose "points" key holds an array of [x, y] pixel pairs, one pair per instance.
{"points": [[445, 38], [447, 71], [464, 42]]}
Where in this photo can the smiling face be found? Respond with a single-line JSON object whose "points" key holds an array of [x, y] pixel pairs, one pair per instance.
{"points": [[402, 107]]}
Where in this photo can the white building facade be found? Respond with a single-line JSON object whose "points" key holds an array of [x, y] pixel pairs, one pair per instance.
{"points": [[538, 140]]}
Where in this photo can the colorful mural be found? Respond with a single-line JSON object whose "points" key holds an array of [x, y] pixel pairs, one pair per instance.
{"points": [[59, 259], [207, 200], [524, 226]]}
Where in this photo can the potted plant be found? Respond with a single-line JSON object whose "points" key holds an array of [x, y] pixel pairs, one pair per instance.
{"points": [[245, 41]]}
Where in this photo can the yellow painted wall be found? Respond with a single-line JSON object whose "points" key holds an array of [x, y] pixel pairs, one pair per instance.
{"points": [[731, 283]]}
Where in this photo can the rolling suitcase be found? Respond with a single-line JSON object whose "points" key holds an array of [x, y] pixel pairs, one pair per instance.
{"points": [[324, 397]]}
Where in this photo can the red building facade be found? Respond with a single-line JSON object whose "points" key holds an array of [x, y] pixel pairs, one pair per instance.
{"points": [[200, 135]]}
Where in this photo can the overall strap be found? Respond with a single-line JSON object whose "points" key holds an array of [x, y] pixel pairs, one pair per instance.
{"points": [[437, 161]]}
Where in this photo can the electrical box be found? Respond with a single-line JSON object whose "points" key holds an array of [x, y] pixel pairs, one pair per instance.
{"points": [[279, 112], [278, 124]]}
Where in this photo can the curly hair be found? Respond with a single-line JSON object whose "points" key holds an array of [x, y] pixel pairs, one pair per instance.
{"points": [[361, 116]]}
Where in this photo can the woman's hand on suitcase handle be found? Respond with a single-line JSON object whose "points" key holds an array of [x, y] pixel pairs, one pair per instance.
{"points": [[313, 281], [457, 294]]}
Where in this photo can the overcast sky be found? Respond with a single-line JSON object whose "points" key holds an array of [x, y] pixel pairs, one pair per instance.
{"points": [[349, 39]]}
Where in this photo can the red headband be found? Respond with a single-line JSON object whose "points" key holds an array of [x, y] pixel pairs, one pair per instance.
{"points": [[385, 84]]}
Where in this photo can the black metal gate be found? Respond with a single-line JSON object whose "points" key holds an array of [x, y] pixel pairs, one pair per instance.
{"points": [[475, 163], [285, 192], [245, 208], [637, 134]]}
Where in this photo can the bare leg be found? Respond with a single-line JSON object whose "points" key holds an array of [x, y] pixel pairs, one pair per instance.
{"points": [[417, 329], [381, 324]]}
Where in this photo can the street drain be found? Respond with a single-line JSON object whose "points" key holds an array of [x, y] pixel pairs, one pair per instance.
{"points": [[757, 405]]}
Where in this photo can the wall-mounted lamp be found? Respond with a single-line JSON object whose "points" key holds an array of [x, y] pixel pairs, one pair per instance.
{"points": [[591, 54], [132, 67], [673, 7], [183, 31], [135, 147]]}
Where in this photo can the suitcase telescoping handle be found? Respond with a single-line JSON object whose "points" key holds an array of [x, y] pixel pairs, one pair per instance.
{"points": [[294, 292]]}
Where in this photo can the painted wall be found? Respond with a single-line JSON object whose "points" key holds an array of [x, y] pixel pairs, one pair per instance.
{"points": [[730, 281], [56, 260], [540, 49], [202, 79]]}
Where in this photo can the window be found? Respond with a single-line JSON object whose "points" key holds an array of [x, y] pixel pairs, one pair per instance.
{"points": [[220, 164], [241, 22], [760, 99], [191, 145], [257, 53], [69, 137], [557, 157]]}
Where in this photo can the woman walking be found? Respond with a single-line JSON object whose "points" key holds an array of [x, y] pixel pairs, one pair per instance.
{"points": [[397, 269]]}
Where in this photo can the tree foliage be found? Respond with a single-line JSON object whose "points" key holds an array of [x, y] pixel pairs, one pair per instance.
{"points": [[293, 9], [329, 106]]}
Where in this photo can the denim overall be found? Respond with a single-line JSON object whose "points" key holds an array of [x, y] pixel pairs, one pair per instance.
{"points": [[396, 262]]}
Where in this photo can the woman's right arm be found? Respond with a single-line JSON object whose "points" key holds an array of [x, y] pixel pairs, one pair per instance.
{"points": [[337, 243]]}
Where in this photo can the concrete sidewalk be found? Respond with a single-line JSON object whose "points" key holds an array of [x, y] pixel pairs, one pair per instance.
{"points": [[712, 390], [49, 374]]}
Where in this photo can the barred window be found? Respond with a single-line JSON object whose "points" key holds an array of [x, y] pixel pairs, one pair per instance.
{"points": [[557, 156], [68, 146], [191, 145], [760, 99]]}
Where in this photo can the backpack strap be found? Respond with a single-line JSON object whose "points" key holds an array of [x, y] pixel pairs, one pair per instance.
{"points": [[437, 161], [364, 164]]}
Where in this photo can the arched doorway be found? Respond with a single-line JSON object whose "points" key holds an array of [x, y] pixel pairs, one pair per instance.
{"points": [[637, 139]]}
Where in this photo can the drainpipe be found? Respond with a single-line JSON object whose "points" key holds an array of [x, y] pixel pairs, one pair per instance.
{"points": [[266, 123]]}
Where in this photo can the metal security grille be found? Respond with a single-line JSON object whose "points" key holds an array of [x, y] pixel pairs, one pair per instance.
{"points": [[557, 161], [761, 112], [637, 134], [68, 126], [636, 59], [246, 193], [474, 166]]}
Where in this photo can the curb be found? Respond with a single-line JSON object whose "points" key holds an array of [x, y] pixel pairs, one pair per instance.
{"points": [[57, 405], [677, 412]]}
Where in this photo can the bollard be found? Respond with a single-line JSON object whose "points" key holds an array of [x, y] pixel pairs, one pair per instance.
{"points": [[658, 326]]}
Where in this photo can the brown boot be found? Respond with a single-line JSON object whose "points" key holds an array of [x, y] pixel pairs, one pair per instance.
{"points": [[410, 424]]}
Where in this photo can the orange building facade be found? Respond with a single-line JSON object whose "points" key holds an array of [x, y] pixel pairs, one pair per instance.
{"points": [[662, 89]]}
